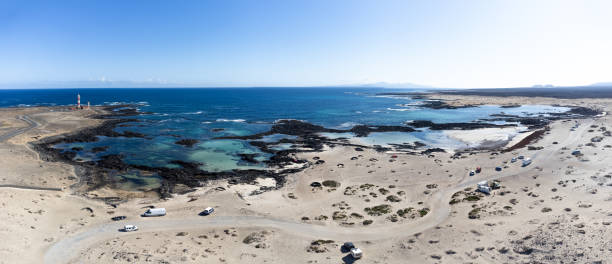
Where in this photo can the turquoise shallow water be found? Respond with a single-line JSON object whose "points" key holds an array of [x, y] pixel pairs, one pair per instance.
{"points": [[203, 114]]}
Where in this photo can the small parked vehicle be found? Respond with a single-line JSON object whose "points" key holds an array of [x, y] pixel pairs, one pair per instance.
{"points": [[478, 169], [207, 211], [130, 228], [495, 185], [348, 245], [513, 160], [472, 173], [498, 168], [526, 162], [356, 253], [119, 218], [155, 212], [484, 189]]}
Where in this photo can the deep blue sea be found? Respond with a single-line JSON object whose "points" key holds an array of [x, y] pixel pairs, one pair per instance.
{"points": [[194, 113]]}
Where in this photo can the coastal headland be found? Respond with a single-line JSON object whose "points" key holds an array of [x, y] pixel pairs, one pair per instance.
{"points": [[401, 203]]}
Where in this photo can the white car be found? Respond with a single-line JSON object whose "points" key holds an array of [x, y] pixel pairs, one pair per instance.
{"points": [[207, 211], [356, 253], [130, 228]]}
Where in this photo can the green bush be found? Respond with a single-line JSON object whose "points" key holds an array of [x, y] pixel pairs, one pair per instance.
{"points": [[423, 211], [378, 210], [393, 199], [331, 184]]}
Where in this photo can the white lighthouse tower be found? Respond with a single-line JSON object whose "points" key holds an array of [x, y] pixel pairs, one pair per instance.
{"points": [[78, 101]]}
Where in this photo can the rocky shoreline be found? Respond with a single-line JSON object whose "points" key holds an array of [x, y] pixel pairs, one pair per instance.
{"points": [[96, 174], [188, 175]]}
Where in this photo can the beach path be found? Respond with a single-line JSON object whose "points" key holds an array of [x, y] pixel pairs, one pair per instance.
{"points": [[31, 124]]}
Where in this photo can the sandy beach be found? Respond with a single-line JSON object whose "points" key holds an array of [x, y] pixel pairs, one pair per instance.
{"points": [[398, 208]]}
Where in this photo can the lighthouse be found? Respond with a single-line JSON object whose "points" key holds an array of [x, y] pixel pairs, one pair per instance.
{"points": [[78, 101]]}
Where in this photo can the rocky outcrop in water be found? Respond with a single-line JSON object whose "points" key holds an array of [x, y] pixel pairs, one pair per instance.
{"points": [[187, 142], [364, 130], [454, 126], [307, 130], [438, 104], [248, 157], [99, 149]]}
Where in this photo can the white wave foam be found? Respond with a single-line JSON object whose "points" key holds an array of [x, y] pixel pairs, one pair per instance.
{"points": [[287, 119], [142, 103], [348, 125], [230, 120], [391, 97], [400, 109], [194, 113]]}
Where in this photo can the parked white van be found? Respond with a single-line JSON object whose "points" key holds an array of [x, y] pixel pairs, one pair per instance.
{"points": [[484, 189], [155, 212], [526, 162], [356, 253]]}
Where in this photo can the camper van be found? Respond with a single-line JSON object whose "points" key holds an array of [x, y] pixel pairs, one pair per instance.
{"points": [[483, 187], [155, 212], [526, 162]]}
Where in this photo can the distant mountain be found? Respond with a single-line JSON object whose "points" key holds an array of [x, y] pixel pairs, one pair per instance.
{"points": [[543, 86], [392, 85], [602, 84]]}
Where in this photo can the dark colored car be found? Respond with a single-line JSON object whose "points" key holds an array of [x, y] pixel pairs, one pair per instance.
{"points": [[119, 218], [348, 246], [315, 184], [498, 168]]}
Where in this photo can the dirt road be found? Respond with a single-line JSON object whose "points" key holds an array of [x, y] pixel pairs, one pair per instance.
{"points": [[31, 124]]}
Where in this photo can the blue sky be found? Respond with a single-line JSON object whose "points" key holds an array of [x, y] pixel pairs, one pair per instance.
{"points": [[301, 43]]}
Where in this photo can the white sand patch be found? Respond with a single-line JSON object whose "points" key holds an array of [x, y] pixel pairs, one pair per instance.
{"points": [[517, 138], [477, 137], [245, 190]]}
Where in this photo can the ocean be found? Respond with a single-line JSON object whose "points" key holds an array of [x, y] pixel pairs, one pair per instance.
{"points": [[203, 114]]}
